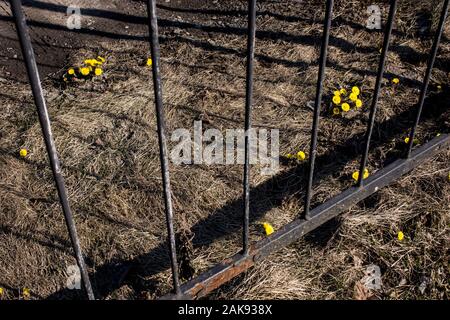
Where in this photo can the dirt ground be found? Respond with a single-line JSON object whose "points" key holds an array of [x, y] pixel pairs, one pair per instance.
{"points": [[105, 132]]}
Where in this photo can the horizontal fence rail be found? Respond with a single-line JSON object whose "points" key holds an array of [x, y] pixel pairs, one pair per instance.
{"points": [[311, 217]]}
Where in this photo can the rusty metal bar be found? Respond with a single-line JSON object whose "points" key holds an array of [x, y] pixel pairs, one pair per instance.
{"points": [[373, 108], [248, 109], [318, 101], [426, 81], [44, 120], [164, 160]]}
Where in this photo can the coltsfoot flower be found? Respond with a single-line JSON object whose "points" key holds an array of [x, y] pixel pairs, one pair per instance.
{"points": [[336, 99], [400, 236], [85, 71], [23, 153], [353, 96], [268, 228], [355, 175], [301, 155], [345, 107], [98, 71], [26, 293]]}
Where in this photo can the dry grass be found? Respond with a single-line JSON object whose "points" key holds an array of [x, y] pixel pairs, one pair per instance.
{"points": [[105, 133]]}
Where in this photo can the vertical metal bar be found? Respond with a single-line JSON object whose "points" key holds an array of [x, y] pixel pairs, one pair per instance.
{"points": [[248, 108], [155, 52], [373, 108], [35, 82], [318, 101], [426, 80]]}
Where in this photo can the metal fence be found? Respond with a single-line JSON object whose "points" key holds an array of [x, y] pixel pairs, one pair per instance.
{"points": [[311, 218]]}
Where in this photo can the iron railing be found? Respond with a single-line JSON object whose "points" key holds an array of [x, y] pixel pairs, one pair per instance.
{"points": [[311, 217]]}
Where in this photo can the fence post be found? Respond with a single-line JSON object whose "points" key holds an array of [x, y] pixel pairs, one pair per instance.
{"points": [[373, 108], [251, 34], [318, 101], [426, 81], [36, 87], [164, 160]]}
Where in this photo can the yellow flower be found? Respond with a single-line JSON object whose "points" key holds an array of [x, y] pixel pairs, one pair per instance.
{"points": [[395, 80], [149, 62], [415, 141], [26, 293], [336, 111], [101, 59], [448, 176], [289, 156], [400, 236], [345, 107], [343, 91], [71, 71], [356, 90], [1, 291], [355, 175], [268, 228], [358, 103], [353, 96], [85, 71], [92, 62], [301, 155], [337, 93], [23, 153], [336, 99], [98, 71]]}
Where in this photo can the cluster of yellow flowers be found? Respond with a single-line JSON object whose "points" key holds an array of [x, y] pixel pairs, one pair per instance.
{"points": [[415, 141], [342, 100], [355, 175], [300, 156], [91, 67], [26, 293]]}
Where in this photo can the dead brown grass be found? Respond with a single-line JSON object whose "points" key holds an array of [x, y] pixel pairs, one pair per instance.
{"points": [[105, 133]]}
